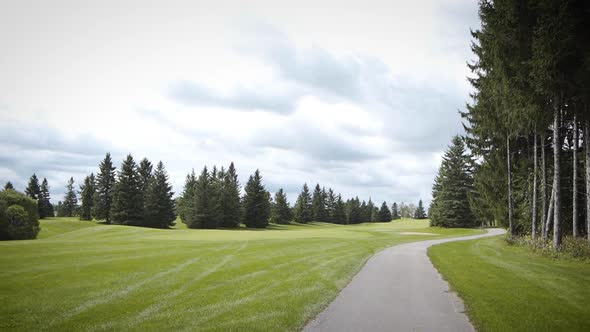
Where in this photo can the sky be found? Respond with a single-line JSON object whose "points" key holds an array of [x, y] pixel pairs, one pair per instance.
{"points": [[359, 96]]}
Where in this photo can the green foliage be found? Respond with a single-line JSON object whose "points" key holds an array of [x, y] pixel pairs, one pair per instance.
{"points": [[353, 211], [420, 213], [203, 211], [384, 214], [394, 212], [158, 202], [256, 203], [303, 207], [44, 202], [105, 184], [339, 216], [450, 204], [70, 203], [230, 198], [185, 200], [281, 212], [33, 189], [18, 216], [127, 205], [87, 192], [318, 204], [8, 186]]}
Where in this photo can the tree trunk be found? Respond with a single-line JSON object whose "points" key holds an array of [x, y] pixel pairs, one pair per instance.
{"points": [[549, 217], [575, 229], [535, 166], [587, 142], [556, 175], [509, 169], [544, 190]]}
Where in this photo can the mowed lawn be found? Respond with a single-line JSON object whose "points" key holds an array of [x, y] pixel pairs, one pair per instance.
{"points": [[507, 288], [83, 276]]}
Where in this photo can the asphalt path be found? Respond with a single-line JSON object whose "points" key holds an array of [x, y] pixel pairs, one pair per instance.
{"points": [[398, 289]]}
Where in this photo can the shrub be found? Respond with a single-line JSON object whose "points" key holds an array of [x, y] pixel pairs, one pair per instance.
{"points": [[573, 248], [19, 218]]}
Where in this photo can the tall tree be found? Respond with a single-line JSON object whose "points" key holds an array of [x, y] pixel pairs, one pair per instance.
{"points": [[205, 203], [45, 207], [394, 212], [330, 205], [318, 205], [33, 190], [105, 184], [420, 213], [339, 211], [158, 204], [127, 208], [186, 199], [144, 169], [384, 214], [303, 206], [281, 212], [70, 203], [87, 192], [256, 202], [8, 186], [231, 198]]}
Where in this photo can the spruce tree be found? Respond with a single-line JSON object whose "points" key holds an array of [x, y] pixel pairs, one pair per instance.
{"points": [[318, 205], [420, 213], [204, 205], [158, 202], [33, 189], [144, 169], [231, 198], [384, 215], [354, 211], [330, 206], [303, 207], [186, 200], [105, 184], [339, 211], [256, 203], [45, 207], [87, 192], [394, 212], [365, 212], [373, 210], [70, 203], [281, 212], [451, 207], [127, 208], [8, 186]]}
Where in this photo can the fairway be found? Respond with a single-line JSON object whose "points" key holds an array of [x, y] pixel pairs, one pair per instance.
{"points": [[90, 277], [507, 288]]}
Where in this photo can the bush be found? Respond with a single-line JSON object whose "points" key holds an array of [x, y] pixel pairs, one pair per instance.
{"points": [[19, 218], [571, 247]]}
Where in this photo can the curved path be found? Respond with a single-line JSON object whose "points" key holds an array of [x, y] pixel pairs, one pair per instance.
{"points": [[398, 290]]}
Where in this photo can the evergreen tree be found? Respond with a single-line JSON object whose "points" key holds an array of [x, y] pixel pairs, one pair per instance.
{"points": [[365, 212], [33, 189], [451, 207], [372, 209], [394, 212], [186, 200], [330, 206], [281, 212], [145, 173], [158, 204], [303, 206], [420, 213], [231, 198], [45, 207], [127, 208], [105, 184], [318, 205], [8, 186], [256, 203], [384, 215], [204, 206], [354, 211], [70, 203], [87, 193], [339, 216]]}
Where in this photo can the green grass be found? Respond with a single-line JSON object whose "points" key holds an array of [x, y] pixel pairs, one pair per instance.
{"points": [[83, 276], [508, 288]]}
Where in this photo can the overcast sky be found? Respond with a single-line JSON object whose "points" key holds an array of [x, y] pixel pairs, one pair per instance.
{"points": [[360, 96]]}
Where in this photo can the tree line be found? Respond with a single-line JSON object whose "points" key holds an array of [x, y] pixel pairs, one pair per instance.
{"points": [[528, 124]]}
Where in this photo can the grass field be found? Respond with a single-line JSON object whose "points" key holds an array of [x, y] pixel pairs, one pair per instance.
{"points": [[85, 276], [507, 288]]}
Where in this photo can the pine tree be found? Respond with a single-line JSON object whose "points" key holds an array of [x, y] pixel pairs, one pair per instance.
{"points": [[339, 211], [303, 206], [330, 206], [33, 189], [145, 173], [281, 211], [105, 184], [420, 213], [451, 207], [186, 200], [8, 186], [256, 203], [158, 203], [45, 207], [372, 211], [365, 212], [127, 208], [231, 198], [318, 205], [70, 203], [87, 193], [354, 211], [394, 212], [384, 215], [204, 206]]}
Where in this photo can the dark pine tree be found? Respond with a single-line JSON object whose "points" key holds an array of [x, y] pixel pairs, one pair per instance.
{"points": [[127, 208], [186, 200], [339, 211], [281, 211], [303, 209], [87, 192], [158, 203], [8, 186], [420, 213], [330, 205], [231, 198], [204, 206], [384, 214], [394, 212], [354, 211], [70, 203], [45, 206], [105, 185], [256, 203], [145, 173], [33, 189], [318, 205]]}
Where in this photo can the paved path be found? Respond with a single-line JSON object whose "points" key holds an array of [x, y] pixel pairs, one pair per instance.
{"points": [[398, 290]]}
